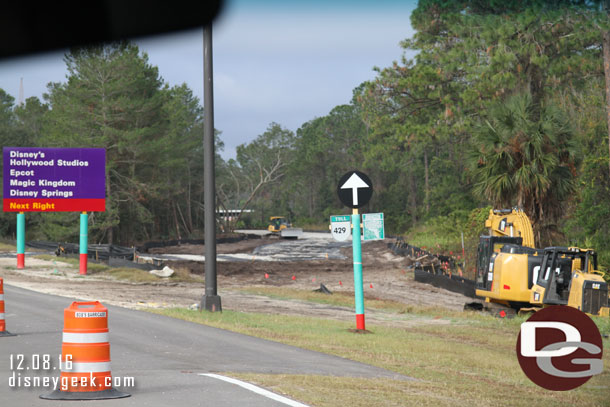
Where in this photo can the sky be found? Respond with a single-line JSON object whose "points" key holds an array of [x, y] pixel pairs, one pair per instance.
{"points": [[286, 62]]}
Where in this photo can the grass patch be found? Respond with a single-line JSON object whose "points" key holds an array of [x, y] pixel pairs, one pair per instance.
{"points": [[471, 361], [7, 247], [11, 246], [91, 267], [348, 391]]}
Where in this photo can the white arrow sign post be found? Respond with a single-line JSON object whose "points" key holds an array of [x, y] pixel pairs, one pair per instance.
{"points": [[362, 189], [354, 182]]}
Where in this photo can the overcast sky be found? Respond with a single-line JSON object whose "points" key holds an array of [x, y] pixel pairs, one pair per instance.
{"points": [[274, 61]]}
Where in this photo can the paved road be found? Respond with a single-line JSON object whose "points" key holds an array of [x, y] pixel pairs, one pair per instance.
{"points": [[164, 355]]}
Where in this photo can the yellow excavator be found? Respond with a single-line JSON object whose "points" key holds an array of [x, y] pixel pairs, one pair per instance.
{"points": [[279, 225], [511, 272]]}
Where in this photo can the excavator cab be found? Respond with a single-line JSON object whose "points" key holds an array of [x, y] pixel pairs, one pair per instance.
{"points": [[569, 276], [488, 247], [277, 224]]}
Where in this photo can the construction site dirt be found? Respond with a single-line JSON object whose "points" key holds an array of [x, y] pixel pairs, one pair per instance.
{"points": [[386, 277]]}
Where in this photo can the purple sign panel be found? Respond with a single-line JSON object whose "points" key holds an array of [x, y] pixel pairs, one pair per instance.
{"points": [[54, 179]]}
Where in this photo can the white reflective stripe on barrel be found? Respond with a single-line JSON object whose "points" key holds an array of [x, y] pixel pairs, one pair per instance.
{"points": [[82, 367], [2, 315], [1, 297], [97, 337]]}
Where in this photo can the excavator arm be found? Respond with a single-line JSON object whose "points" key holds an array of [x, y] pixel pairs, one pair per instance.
{"points": [[510, 223]]}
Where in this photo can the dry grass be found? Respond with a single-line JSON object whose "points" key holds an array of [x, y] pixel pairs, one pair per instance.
{"points": [[470, 361], [7, 247]]}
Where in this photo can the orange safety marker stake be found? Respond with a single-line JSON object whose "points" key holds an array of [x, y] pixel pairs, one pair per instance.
{"points": [[85, 355], [3, 331]]}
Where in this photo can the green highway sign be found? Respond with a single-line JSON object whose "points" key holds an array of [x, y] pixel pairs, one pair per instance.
{"points": [[372, 225]]}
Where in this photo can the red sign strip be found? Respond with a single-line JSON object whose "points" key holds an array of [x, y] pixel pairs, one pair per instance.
{"points": [[54, 205]]}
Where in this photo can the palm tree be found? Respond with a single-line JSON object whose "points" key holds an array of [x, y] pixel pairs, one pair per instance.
{"points": [[518, 160]]}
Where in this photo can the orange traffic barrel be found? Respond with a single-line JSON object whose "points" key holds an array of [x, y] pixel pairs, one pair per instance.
{"points": [[3, 331], [85, 355]]}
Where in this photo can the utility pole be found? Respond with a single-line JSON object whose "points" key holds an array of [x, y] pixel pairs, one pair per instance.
{"points": [[21, 97], [211, 299]]}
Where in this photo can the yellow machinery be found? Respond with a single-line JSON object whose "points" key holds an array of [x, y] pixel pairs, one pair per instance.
{"points": [[568, 276], [509, 269], [279, 225], [510, 223]]}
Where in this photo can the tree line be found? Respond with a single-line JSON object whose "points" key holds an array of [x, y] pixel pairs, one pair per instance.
{"points": [[504, 104]]}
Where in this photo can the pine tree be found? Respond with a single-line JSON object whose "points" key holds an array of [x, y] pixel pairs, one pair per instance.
{"points": [[112, 100]]}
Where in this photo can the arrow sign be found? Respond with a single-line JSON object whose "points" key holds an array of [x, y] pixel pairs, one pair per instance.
{"points": [[355, 189], [354, 182]]}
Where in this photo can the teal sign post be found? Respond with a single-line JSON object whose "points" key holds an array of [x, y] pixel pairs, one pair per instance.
{"points": [[357, 255], [354, 190], [21, 240], [83, 244]]}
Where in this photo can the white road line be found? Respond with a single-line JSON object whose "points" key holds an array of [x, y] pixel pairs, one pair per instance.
{"points": [[256, 389]]}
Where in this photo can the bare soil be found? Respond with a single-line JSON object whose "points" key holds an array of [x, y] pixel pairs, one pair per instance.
{"points": [[384, 275]]}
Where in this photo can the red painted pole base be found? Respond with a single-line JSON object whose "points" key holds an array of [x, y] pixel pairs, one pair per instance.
{"points": [[83, 264], [20, 260], [360, 321]]}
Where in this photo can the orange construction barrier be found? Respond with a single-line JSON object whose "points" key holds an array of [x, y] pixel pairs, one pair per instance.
{"points": [[3, 331], [85, 355]]}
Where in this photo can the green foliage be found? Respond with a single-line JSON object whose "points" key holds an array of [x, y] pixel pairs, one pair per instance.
{"points": [[56, 227], [518, 161], [114, 99], [324, 149], [586, 221], [485, 79], [589, 224], [440, 234], [259, 167], [502, 105]]}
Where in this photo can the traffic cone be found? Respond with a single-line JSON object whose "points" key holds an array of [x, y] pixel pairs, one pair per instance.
{"points": [[3, 331], [85, 355]]}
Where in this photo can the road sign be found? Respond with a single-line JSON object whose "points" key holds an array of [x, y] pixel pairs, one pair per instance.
{"points": [[372, 225], [54, 179], [340, 227], [355, 189]]}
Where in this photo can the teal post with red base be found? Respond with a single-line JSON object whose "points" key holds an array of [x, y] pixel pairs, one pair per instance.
{"points": [[84, 221], [357, 254], [21, 240]]}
